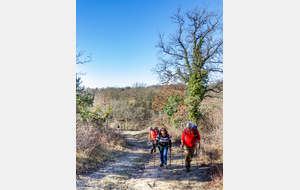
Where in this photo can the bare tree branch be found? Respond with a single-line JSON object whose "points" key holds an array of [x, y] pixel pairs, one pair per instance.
{"points": [[195, 47], [79, 55]]}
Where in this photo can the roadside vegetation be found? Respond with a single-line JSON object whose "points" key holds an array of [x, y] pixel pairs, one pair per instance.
{"points": [[131, 111], [95, 142], [190, 69]]}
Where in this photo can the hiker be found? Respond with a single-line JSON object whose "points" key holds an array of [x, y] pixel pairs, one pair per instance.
{"points": [[164, 142], [118, 128], [190, 138], [152, 137], [156, 128]]}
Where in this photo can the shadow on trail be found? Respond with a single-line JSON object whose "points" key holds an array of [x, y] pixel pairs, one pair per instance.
{"points": [[175, 172], [178, 173]]}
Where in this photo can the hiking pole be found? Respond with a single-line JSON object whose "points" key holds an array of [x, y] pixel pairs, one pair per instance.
{"points": [[182, 156], [155, 156], [170, 156], [153, 153], [199, 152], [196, 157]]}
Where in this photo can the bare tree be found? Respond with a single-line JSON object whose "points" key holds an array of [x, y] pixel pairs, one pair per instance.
{"points": [[81, 61], [193, 54], [138, 92], [126, 109], [196, 47]]}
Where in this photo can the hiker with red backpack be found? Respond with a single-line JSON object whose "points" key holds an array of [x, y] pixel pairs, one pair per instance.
{"points": [[164, 142], [189, 139], [152, 137]]}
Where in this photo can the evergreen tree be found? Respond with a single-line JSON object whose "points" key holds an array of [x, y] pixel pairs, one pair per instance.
{"points": [[83, 100]]}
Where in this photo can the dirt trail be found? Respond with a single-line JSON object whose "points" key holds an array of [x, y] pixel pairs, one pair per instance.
{"points": [[135, 169]]}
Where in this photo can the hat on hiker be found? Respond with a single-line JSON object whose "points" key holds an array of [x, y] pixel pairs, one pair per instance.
{"points": [[189, 124], [150, 127]]}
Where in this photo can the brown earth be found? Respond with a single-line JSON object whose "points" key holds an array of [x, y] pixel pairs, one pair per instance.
{"points": [[135, 168]]}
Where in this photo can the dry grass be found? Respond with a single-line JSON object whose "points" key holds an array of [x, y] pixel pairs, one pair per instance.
{"points": [[94, 145], [89, 139], [211, 132], [212, 146]]}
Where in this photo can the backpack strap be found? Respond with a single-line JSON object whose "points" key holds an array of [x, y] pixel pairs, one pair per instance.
{"points": [[196, 135], [185, 134], [195, 132]]}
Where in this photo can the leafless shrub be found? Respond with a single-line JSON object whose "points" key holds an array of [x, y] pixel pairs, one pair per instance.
{"points": [[89, 139]]}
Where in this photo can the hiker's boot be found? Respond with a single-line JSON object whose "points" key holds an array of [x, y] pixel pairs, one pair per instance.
{"points": [[161, 165], [151, 151], [166, 167], [187, 169]]}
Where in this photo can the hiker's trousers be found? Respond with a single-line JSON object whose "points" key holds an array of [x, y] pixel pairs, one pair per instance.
{"points": [[189, 152], [163, 155], [153, 146]]}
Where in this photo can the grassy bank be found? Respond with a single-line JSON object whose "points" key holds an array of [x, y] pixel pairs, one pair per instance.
{"points": [[94, 146]]}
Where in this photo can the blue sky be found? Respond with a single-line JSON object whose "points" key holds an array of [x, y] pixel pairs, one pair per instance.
{"points": [[121, 37]]}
